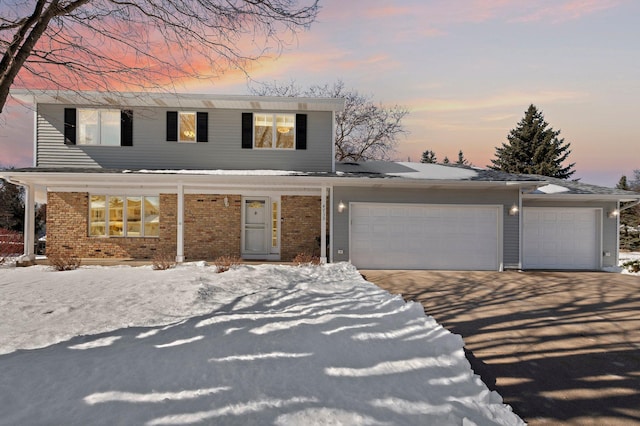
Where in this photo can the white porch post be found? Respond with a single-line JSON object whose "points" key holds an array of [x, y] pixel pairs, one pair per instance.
{"points": [[323, 226], [180, 236], [29, 221]]}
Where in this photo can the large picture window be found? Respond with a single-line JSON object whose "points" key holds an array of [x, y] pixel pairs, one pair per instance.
{"points": [[120, 216], [274, 131], [99, 127]]}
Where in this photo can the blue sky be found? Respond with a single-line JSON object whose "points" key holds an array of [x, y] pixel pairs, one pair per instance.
{"points": [[467, 71]]}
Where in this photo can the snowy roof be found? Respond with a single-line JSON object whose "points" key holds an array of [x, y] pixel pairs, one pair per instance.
{"points": [[570, 187]]}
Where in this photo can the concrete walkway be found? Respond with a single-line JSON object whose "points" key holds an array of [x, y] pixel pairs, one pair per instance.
{"points": [[561, 348]]}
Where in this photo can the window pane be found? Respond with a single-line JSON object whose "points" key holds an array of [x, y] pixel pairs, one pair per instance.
{"points": [[151, 216], [110, 127], [134, 216], [187, 130], [285, 132], [263, 127], [97, 216], [88, 129], [116, 216]]}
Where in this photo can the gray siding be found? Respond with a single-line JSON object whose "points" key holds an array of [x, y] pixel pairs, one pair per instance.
{"points": [[507, 197], [150, 149], [609, 225]]}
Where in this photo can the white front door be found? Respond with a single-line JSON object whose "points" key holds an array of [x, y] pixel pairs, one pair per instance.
{"points": [[260, 230]]}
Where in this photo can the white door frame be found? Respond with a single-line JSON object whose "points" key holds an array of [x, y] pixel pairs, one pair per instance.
{"points": [[271, 252]]}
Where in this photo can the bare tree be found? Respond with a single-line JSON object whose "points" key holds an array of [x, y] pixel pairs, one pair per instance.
{"points": [[111, 44], [364, 130]]}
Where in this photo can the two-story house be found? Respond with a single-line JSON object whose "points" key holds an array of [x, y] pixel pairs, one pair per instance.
{"points": [[131, 175]]}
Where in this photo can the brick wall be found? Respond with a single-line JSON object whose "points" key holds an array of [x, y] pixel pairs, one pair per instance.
{"points": [[67, 230], [300, 226], [212, 229]]}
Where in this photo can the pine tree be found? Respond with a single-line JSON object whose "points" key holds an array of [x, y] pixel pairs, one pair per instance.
{"points": [[429, 157], [534, 148], [461, 160], [622, 183], [11, 206], [446, 160]]}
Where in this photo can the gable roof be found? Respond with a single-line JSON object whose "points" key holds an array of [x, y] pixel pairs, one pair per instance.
{"points": [[177, 100]]}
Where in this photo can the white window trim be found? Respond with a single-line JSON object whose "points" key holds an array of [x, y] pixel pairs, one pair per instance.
{"points": [[195, 127], [274, 130], [99, 110]]}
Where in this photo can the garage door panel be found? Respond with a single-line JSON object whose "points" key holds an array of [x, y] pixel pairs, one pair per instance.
{"points": [[425, 237], [555, 238]]}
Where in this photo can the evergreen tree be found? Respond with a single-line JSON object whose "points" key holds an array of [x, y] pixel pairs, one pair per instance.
{"points": [[429, 157], [534, 148], [630, 218], [622, 183], [11, 206], [461, 160], [446, 160]]}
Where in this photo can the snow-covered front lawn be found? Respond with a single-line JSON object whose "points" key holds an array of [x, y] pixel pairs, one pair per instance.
{"points": [[258, 345]]}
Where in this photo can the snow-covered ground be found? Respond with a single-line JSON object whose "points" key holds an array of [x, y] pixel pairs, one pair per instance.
{"points": [[260, 344]]}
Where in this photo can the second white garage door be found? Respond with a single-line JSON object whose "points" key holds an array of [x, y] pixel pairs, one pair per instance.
{"points": [[567, 238], [423, 236]]}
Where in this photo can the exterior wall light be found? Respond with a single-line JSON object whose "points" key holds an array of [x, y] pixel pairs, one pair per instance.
{"points": [[226, 201], [341, 207], [513, 211], [614, 213]]}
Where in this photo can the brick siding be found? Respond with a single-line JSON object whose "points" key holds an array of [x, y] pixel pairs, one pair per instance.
{"points": [[300, 226], [211, 229]]}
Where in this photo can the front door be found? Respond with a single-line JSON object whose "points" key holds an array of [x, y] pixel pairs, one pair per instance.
{"points": [[260, 239]]}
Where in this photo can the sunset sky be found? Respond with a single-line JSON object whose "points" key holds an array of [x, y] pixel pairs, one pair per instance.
{"points": [[467, 70]]}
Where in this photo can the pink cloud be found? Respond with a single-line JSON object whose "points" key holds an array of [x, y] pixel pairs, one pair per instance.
{"points": [[566, 11]]}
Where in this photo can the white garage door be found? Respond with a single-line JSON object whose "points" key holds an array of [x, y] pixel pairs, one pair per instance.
{"points": [[419, 236], [565, 238]]}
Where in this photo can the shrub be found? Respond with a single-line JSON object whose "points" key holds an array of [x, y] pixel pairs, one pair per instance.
{"points": [[224, 263], [63, 261], [632, 265], [306, 259], [163, 261]]}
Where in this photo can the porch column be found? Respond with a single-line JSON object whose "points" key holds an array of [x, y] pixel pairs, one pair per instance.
{"points": [[323, 225], [29, 221], [180, 236]]}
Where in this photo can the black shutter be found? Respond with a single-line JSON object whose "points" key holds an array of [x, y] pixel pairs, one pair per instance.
{"points": [[301, 131], [126, 127], [70, 126], [172, 126], [247, 130], [202, 126]]}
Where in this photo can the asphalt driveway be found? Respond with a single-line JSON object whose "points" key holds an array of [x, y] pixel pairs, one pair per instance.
{"points": [[561, 348]]}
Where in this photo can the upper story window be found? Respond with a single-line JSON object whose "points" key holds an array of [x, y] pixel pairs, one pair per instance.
{"points": [[274, 131], [98, 127], [187, 126]]}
